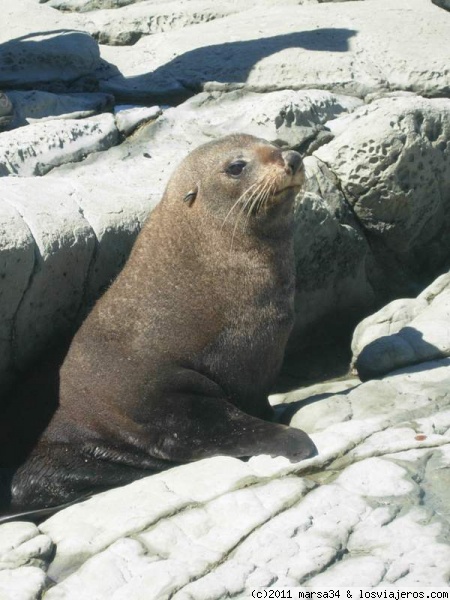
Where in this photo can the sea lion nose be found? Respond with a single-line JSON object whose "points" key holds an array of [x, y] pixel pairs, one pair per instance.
{"points": [[292, 161]]}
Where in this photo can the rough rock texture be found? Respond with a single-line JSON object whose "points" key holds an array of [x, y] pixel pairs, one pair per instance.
{"points": [[25, 152], [107, 197], [362, 90], [405, 332], [128, 24], [53, 60], [393, 164], [344, 518], [333, 46], [34, 106], [333, 256]]}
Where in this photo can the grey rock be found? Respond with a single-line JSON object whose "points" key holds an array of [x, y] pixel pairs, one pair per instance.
{"points": [[393, 164], [17, 260], [24, 583], [332, 254], [53, 61], [333, 46], [33, 106], [22, 544], [6, 110], [91, 5], [128, 118], [221, 527], [62, 252], [38, 148], [126, 25], [405, 332], [87, 5]]}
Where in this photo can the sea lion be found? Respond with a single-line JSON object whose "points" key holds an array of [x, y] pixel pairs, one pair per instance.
{"points": [[176, 360]]}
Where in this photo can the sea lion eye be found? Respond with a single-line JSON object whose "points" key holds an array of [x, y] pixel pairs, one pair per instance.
{"points": [[235, 168]]}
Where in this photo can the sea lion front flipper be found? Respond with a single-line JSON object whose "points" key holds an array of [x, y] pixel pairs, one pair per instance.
{"points": [[216, 426]]}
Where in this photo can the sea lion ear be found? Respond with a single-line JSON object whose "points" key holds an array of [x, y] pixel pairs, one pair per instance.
{"points": [[191, 196]]}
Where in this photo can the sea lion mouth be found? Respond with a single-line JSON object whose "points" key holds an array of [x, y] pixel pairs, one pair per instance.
{"points": [[286, 188]]}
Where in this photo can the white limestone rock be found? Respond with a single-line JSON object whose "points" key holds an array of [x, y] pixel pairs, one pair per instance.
{"points": [[92, 5], [25, 583], [25, 18], [34, 106], [332, 253], [54, 60], [221, 527], [37, 149], [405, 332], [88, 5], [180, 496], [127, 24], [62, 249], [393, 164], [22, 544], [128, 118], [365, 518], [333, 46], [17, 259]]}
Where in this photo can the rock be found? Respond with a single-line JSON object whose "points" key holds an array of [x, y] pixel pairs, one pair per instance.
{"points": [[393, 166], [17, 259], [126, 25], [26, 18], [405, 332], [92, 5], [332, 256], [332, 46], [37, 149], [222, 527], [22, 544], [373, 224], [35, 106], [54, 61], [6, 110], [288, 116], [100, 522], [87, 5], [25, 583], [54, 265], [128, 118], [24, 556]]}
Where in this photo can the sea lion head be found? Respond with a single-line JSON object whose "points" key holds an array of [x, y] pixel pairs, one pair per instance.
{"points": [[242, 180]]}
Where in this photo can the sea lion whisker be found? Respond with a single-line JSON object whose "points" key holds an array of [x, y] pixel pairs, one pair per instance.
{"points": [[250, 204], [256, 200], [255, 193], [266, 192], [238, 201]]}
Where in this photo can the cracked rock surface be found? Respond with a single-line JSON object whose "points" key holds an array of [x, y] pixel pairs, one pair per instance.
{"points": [[346, 517], [82, 170], [109, 96], [405, 332]]}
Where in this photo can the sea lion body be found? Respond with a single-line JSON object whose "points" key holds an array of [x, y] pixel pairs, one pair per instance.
{"points": [[176, 360]]}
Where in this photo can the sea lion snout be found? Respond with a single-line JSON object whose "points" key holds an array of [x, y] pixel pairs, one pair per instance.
{"points": [[292, 162]]}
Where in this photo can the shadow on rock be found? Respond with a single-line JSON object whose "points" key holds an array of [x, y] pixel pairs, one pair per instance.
{"points": [[25, 414], [227, 63], [55, 60], [391, 352]]}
